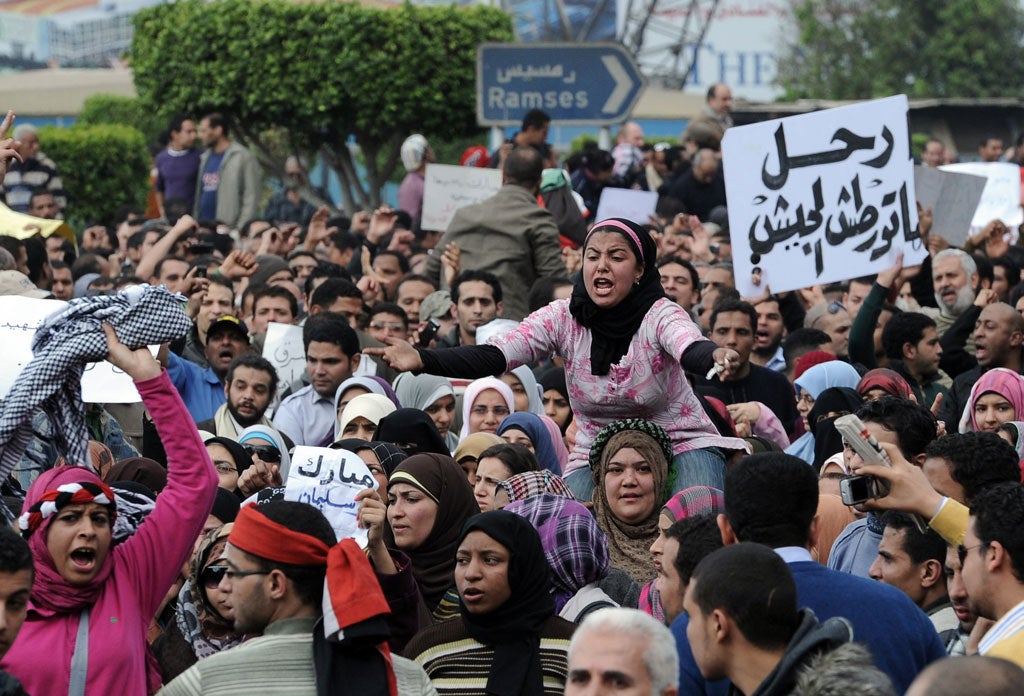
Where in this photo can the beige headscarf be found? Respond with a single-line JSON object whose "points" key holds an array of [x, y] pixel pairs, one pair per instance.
{"points": [[629, 544]]}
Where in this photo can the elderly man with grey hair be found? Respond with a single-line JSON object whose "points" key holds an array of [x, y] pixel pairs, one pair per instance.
{"points": [[625, 651], [34, 172], [955, 281]]}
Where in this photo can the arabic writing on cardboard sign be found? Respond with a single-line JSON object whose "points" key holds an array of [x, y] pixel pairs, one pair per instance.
{"points": [[821, 197]]}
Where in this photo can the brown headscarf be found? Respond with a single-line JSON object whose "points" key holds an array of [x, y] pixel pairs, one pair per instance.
{"points": [[629, 544], [433, 561], [140, 469]]}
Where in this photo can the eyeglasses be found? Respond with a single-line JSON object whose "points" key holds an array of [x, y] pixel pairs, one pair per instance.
{"points": [[232, 574], [391, 326], [962, 551], [212, 576], [661, 147], [834, 307], [266, 453], [500, 411], [225, 468]]}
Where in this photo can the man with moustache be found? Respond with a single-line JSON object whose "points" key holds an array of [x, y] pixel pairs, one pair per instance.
{"points": [[955, 281], [249, 387], [202, 389], [768, 338], [998, 337]]}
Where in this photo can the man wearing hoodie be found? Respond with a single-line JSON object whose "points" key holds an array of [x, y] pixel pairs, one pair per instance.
{"points": [[745, 625]]}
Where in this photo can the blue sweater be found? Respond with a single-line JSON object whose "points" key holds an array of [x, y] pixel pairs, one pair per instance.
{"points": [[901, 638], [200, 388]]}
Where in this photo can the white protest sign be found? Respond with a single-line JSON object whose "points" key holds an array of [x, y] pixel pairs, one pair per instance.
{"points": [[101, 382], [329, 479], [637, 206], [448, 188], [821, 197], [1001, 198], [953, 198], [283, 348]]}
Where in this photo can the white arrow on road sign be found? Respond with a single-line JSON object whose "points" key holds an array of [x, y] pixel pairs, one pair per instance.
{"points": [[623, 84]]}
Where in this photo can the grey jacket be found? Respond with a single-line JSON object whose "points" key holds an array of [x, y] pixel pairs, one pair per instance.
{"points": [[509, 235], [810, 639], [239, 187]]}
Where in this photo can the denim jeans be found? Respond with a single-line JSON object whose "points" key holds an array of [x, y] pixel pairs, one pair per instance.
{"points": [[581, 483], [699, 467]]}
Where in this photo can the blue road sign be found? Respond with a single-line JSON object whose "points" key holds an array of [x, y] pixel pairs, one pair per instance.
{"points": [[592, 83]]}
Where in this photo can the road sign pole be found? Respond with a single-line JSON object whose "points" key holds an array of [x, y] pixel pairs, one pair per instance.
{"points": [[604, 138]]}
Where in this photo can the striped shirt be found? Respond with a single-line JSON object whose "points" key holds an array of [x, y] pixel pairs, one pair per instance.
{"points": [[279, 663], [1006, 638], [459, 665]]}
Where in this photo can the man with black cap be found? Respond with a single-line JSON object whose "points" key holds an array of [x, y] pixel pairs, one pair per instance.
{"points": [[201, 389], [278, 556]]}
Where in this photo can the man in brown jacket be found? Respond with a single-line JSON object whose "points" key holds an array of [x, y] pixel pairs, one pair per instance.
{"points": [[508, 235]]}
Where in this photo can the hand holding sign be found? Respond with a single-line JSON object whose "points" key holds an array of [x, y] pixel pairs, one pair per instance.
{"points": [[331, 481], [373, 516]]}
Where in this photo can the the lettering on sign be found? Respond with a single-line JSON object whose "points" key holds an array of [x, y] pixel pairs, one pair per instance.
{"points": [[329, 480], [447, 188], [821, 197]]}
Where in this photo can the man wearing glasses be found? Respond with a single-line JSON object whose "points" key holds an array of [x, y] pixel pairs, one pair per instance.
{"points": [[274, 580], [989, 559], [992, 566], [835, 320]]}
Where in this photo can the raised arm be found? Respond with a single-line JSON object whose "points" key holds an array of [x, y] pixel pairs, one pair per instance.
{"points": [[465, 361], [153, 556]]}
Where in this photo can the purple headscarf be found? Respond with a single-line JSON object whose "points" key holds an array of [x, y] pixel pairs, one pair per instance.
{"points": [[575, 547]]}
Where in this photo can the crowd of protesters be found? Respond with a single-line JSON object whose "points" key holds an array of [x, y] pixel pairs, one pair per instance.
{"points": [[596, 467]]}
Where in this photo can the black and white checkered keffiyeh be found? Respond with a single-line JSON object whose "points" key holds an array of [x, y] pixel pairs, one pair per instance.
{"points": [[63, 345]]}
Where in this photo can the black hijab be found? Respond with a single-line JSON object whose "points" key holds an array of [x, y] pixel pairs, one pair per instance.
{"points": [[389, 455], [827, 440], [514, 628], [554, 378], [413, 426], [242, 459], [612, 329]]}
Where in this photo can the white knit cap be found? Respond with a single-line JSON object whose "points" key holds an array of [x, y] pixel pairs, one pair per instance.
{"points": [[413, 150]]}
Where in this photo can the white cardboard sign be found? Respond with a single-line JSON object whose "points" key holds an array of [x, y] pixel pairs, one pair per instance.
{"points": [[953, 198], [637, 206], [283, 348], [1001, 197], [448, 188], [329, 479], [101, 381], [821, 197]]}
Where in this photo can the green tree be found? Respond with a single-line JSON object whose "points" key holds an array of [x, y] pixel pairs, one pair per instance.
{"points": [[102, 167], [329, 75], [127, 111], [848, 49]]}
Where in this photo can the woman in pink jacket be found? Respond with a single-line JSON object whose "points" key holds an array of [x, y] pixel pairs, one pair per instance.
{"points": [[91, 603]]}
